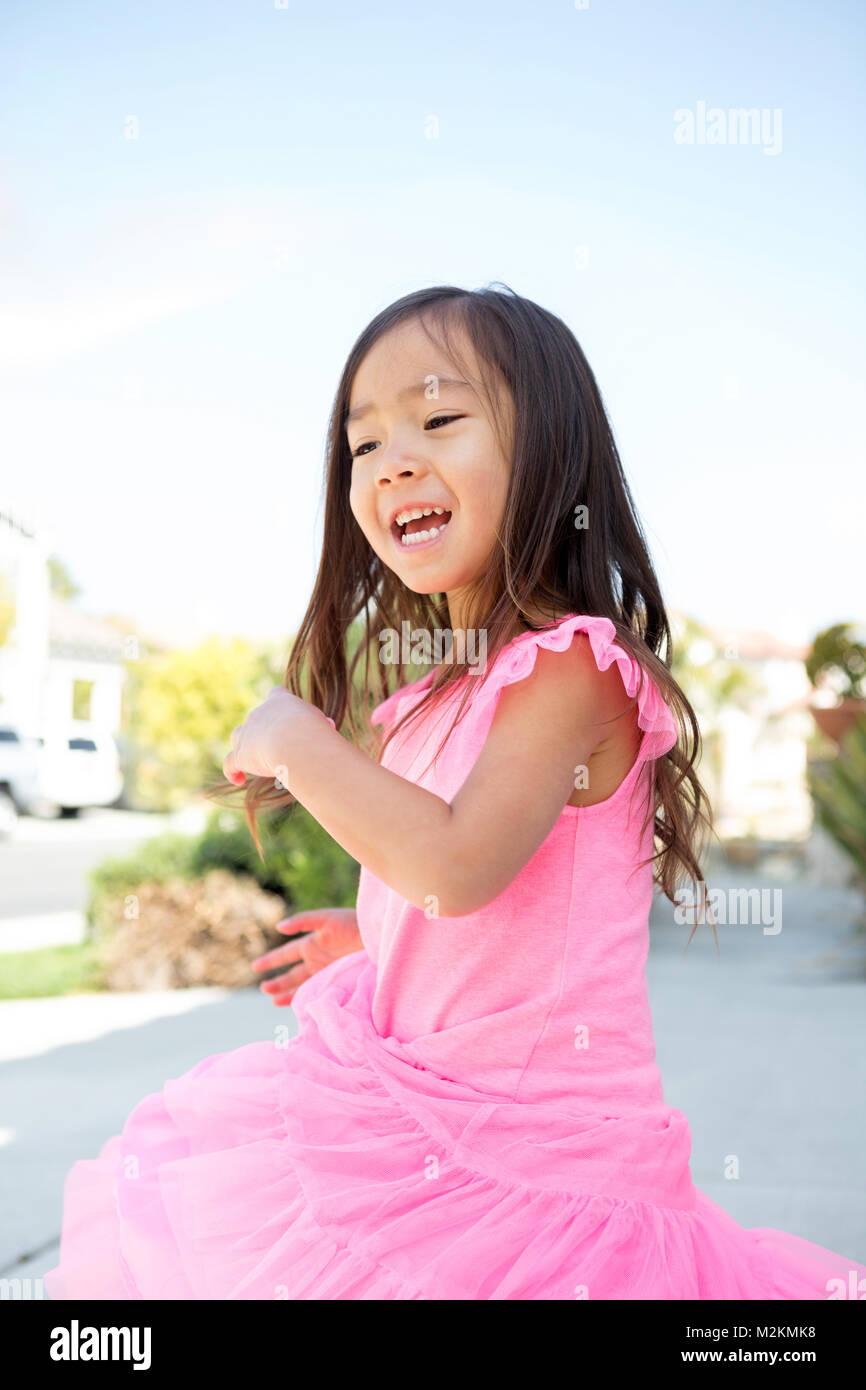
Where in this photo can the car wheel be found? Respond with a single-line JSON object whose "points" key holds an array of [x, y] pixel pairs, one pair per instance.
{"points": [[8, 814]]}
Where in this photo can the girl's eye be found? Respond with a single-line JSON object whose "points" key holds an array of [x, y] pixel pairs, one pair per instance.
{"points": [[446, 419]]}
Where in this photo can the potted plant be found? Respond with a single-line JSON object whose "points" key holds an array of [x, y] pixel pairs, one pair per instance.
{"points": [[836, 665], [838, 789]]}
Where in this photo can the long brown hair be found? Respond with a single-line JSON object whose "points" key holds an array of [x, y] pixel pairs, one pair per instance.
{"points": [[563, 456]]}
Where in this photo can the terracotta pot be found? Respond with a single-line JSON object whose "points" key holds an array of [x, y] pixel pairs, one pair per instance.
{"points": [[836, 720], [742, 851]]}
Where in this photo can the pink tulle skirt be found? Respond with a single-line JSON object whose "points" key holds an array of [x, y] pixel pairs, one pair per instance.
{"points": [[335, 1168]]}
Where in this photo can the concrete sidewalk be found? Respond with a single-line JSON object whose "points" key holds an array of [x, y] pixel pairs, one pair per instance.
{"points": [[73, 1068], [763, 1051]]}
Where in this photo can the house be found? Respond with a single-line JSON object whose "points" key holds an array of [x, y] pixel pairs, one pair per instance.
{"points": [[57, 663], [757, 777]]}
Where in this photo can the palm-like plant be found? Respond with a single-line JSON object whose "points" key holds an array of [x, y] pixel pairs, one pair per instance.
{"points": [[838, 789]]}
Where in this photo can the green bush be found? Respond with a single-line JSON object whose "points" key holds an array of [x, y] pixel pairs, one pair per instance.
{"points": [[155, 861], [302, 861], [838, 788]]}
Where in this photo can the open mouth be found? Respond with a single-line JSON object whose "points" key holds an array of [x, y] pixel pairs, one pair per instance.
{"points": [[420, 531]]}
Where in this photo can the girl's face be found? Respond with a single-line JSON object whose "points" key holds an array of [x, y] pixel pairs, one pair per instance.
{"points": [[413, 450]]}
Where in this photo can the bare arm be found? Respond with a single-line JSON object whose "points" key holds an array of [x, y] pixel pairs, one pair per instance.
{"points": [[466, 853]]}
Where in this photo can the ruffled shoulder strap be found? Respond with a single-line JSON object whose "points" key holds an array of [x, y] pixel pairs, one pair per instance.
{"points": [[516, 660]]}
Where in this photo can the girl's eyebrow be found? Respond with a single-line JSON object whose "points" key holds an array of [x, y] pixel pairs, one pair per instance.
{"points": [[417, 389]]}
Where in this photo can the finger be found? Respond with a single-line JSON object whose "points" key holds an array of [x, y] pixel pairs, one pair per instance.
{"points": [[231, 771], [305, 921], [301, 924], [279, 955], [289, 980], [284, 995]]}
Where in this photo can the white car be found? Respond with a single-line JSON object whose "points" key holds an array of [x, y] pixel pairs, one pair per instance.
{"points": [[18, 775], [68, 767]]}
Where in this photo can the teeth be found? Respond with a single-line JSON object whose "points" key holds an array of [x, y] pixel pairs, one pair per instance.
{"points": [[418, 536], [403, 517]]}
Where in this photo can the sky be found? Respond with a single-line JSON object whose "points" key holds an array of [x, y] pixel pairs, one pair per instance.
{"points": [[203, 204]]}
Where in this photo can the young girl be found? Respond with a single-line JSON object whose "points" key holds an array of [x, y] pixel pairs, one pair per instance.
{"points": [[471, 1107]]}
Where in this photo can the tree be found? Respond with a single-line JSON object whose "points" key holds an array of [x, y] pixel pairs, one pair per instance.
{"points": [[7, 610], [61, 583], [712, 679], [181, 707]]}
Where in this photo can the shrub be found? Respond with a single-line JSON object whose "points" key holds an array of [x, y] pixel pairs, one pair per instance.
{"points": [[182, 933], [302, 861], [838, 788], [195, 910]]}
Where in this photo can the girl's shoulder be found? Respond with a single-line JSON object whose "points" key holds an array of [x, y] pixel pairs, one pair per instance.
{"points": [[516, 659]]}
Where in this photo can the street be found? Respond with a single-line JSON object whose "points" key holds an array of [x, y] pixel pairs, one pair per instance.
{"points": [[44, 864]]}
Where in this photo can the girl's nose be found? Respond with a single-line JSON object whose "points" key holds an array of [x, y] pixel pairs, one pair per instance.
{"points": [[398, 466]]}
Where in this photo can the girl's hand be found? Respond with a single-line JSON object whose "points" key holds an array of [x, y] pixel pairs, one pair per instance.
{"points": [[331, 932], [261, 745]]}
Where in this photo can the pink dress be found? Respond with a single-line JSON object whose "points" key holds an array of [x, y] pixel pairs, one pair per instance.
{"points": [[471, 1108]]}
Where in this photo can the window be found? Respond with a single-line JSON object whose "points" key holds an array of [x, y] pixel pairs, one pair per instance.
{"points": [[81, 693]]}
